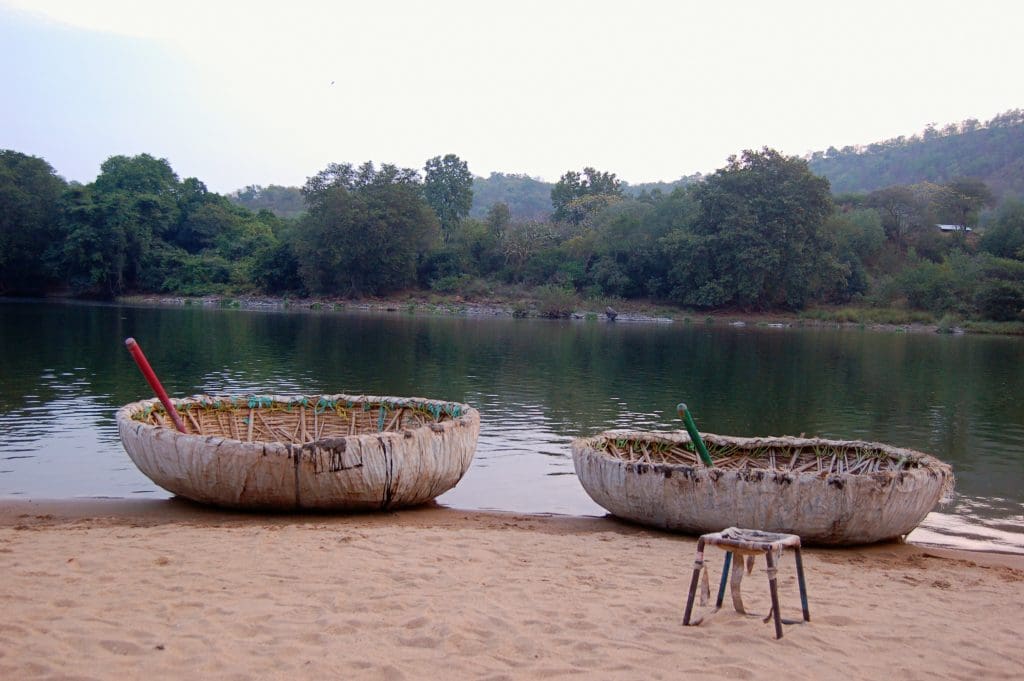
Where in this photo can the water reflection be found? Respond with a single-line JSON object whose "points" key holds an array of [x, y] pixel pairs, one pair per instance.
{"points": [[537, 384]]}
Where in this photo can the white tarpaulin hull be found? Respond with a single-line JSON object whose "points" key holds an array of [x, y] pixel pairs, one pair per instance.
{"points": [[821, 507]]}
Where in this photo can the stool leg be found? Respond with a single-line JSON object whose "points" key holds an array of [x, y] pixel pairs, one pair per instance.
{"points": [[803, 585], [698, 564], [725, 578], [773, 587]]}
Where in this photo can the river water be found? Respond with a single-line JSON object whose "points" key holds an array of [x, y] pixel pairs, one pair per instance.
{"points": [[64, 371]]}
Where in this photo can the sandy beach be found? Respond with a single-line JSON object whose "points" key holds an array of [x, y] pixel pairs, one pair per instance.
{"points": [[117, 589]]}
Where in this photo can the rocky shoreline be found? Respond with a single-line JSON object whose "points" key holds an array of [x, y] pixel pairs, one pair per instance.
{"points": [[457, 307]]}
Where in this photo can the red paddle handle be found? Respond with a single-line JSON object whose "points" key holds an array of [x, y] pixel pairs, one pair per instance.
{"points": [[154, 382]]}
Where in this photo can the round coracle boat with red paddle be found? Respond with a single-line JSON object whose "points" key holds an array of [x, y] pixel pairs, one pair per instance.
{"points": [[316, 452]]}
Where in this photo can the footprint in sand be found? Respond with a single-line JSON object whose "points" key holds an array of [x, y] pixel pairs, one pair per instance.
{"points": [[121, 647], [420, 642], [416, 623]]}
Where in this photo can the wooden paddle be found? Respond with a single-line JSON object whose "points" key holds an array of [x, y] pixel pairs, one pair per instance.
{"points": [[154, 382], [691, 428]]}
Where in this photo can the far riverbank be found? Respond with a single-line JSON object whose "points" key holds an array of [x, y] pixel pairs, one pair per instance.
{"points": [[626, 311]]}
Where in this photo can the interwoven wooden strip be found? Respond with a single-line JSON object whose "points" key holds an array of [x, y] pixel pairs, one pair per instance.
{"points": [[823, 458], [295, 422]]}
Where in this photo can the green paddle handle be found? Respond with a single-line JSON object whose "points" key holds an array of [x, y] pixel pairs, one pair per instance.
{"points": [[691, 428]]}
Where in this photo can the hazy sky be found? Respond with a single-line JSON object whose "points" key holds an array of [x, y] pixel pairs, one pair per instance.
{"points": [[239, 93]]}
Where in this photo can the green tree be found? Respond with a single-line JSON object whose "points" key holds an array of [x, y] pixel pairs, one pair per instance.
{"points": [[627, 260], [859, 240], [859, 231], [1001, 300], [364, 231], [498, 217], [962, 199], [102, 247], [115, 227], [573, 186], [203, 217], [580, 212], [522, 241], [141, 174], [902, 211], [1004, 237], [30, 193], [448, 188], [757, 240]]}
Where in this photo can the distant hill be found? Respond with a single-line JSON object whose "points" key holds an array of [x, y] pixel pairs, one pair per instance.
{"points": [[528, 198], [285, 202], [992, 152], [663, 187]]}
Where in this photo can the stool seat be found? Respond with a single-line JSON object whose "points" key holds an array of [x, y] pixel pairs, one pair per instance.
{"points": [[749, 542], [752, 541]]}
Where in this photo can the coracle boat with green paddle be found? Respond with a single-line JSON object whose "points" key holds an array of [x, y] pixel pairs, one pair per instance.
{"points": [[828, 492], [322, 452]]}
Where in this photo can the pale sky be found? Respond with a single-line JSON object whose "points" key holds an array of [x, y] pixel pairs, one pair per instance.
{"points": [[255, 92]]}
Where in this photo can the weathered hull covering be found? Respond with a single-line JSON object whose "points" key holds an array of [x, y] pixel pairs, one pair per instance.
{"points": [[822, 509], [366, 471]]}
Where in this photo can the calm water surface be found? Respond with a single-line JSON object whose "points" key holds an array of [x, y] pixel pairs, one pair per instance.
{"points": [[538, 384]]}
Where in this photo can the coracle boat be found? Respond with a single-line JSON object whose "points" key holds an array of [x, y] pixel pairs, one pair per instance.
{"points": [[339, 452], [826, 491]]}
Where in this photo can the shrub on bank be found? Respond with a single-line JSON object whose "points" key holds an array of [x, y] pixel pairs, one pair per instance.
{"points": [[555, 302]]}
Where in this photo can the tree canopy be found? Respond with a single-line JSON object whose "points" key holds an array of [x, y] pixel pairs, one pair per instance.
{"points": [[30, 193], [448, 188], [365, 230], [757, 239], [570, 194]]}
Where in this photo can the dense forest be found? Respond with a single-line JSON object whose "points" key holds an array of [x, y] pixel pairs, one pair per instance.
{"points": [[763, 233]]}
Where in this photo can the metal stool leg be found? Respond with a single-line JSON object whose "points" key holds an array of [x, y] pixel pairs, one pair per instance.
{"points": [[698, 564], [803, 585], [773, 587], [725, 578]]}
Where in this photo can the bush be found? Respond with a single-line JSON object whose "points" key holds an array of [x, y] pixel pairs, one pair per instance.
{"points": [[949, 324], [555, 302], [450, 283], [198, 275], [275, 269], [1000, 300], [444, 265]]}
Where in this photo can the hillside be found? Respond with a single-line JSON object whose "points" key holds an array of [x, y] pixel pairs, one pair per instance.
{"points": [[527, 198], [992, 151]]}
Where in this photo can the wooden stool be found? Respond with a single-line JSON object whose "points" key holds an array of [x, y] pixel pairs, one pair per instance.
{"points": [[749, 543]]}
